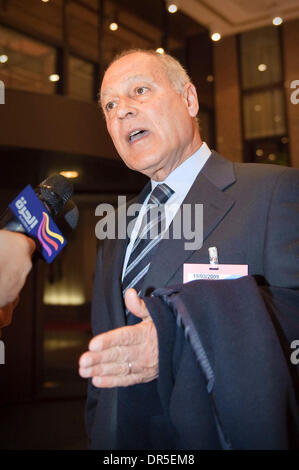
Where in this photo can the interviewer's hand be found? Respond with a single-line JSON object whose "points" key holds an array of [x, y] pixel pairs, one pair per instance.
{"points": [[15, 263], [110, 354]]}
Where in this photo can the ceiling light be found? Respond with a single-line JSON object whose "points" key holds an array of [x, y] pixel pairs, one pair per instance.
{"points": [[70, 174], [113, 26], [215, 36], [262, 67], [54, 77], [277, 20], [3, 59], [45, 1], [172, 8], [160, 50], [210, 78]]}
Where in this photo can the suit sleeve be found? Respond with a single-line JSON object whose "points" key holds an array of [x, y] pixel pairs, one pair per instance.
{"points": [[281, 258], [93, 392], [281, 252]]}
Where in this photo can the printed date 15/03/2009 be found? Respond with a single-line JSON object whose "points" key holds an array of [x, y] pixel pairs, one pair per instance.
{"points": [[151, 459]]}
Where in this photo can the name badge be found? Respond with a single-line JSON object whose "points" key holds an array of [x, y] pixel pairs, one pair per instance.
{"points": [[214, 272]]}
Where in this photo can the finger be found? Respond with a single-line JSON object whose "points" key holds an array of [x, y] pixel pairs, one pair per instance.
{"points": [[29, 243], [87, 359], [107, 369], [132, 378], [6, 315], [15, 302], [115, 381], [123, 336], [118, 354], [32, 246], [135, 304]]}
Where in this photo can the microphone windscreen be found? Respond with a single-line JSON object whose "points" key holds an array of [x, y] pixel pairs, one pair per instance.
{"points": [[55, 191], [71, 214], [58, 185]]}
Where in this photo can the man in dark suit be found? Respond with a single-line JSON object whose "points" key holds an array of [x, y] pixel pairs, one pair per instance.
{"points": [[250, 213]]}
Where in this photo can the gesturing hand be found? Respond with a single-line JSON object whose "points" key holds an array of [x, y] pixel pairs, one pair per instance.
{"points": [[125, 356]]}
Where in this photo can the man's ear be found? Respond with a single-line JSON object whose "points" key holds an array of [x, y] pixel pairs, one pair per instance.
{"points": [[191, 100]]}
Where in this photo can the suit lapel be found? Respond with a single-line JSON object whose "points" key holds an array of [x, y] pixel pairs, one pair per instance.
{"points": [[207, 189]]}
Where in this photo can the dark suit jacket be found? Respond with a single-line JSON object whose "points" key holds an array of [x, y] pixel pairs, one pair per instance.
{"points": [[225, 380], [251, 214]]}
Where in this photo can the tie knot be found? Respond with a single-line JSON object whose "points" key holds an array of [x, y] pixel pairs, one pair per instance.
{"points": [[160, 194]]}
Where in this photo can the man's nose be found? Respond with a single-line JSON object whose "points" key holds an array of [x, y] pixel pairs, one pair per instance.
{"points": [[125, 109]]}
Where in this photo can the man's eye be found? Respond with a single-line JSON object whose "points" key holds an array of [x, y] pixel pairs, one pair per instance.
{"points": [[141, 90], [110, 105]]}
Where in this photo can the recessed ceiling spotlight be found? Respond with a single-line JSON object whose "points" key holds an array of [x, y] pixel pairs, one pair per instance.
{"points": [[113, 26], [3, 59], [172, 8], [54, 77], [277, 20], [70, 173], [259, 152], [262, 67], [160, 50], [215, 36]]}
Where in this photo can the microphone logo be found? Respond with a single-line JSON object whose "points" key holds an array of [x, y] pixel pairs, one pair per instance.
{"points": [[38, 223], [46, 235]]}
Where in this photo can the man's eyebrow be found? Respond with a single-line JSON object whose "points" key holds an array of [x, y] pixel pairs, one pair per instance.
{"points": [[133, 78]]}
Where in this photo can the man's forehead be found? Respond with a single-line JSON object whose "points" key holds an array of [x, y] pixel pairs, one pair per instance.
{"points": [[108, 84], [132, 67]]}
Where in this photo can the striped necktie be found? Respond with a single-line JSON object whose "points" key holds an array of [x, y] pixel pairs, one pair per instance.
{"points": [[147, 240]]}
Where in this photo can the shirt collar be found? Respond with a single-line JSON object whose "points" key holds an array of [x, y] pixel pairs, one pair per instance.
{"points": [[182, 177]]}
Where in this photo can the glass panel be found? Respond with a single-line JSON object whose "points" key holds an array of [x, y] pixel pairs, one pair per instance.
{"points": [[26, 64], [64, 302], [264, 114], [273, 150], [91, 3], [81, 79], [43, 19], [66, 299], [260, 57], [83, 30]]}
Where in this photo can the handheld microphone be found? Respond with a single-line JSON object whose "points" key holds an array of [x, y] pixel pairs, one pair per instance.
{"points": [[45, 214]]}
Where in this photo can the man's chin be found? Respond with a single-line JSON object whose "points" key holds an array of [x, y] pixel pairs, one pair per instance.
{"points": [[141, 167]]}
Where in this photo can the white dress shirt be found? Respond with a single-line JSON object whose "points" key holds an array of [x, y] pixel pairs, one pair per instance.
{"points": [[180, 181]]}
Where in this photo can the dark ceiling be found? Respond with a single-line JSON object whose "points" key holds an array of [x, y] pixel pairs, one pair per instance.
{"points": [[154, 12]]}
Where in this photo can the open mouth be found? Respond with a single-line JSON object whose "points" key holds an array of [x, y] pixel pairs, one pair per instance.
{"points": [[137, 135]]}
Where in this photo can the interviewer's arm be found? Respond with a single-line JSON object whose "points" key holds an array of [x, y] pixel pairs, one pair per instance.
{"points": [[15, 264]]}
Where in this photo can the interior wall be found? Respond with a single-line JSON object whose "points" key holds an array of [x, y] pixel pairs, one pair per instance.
{"points": [[227, 99], [55, 123]]}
